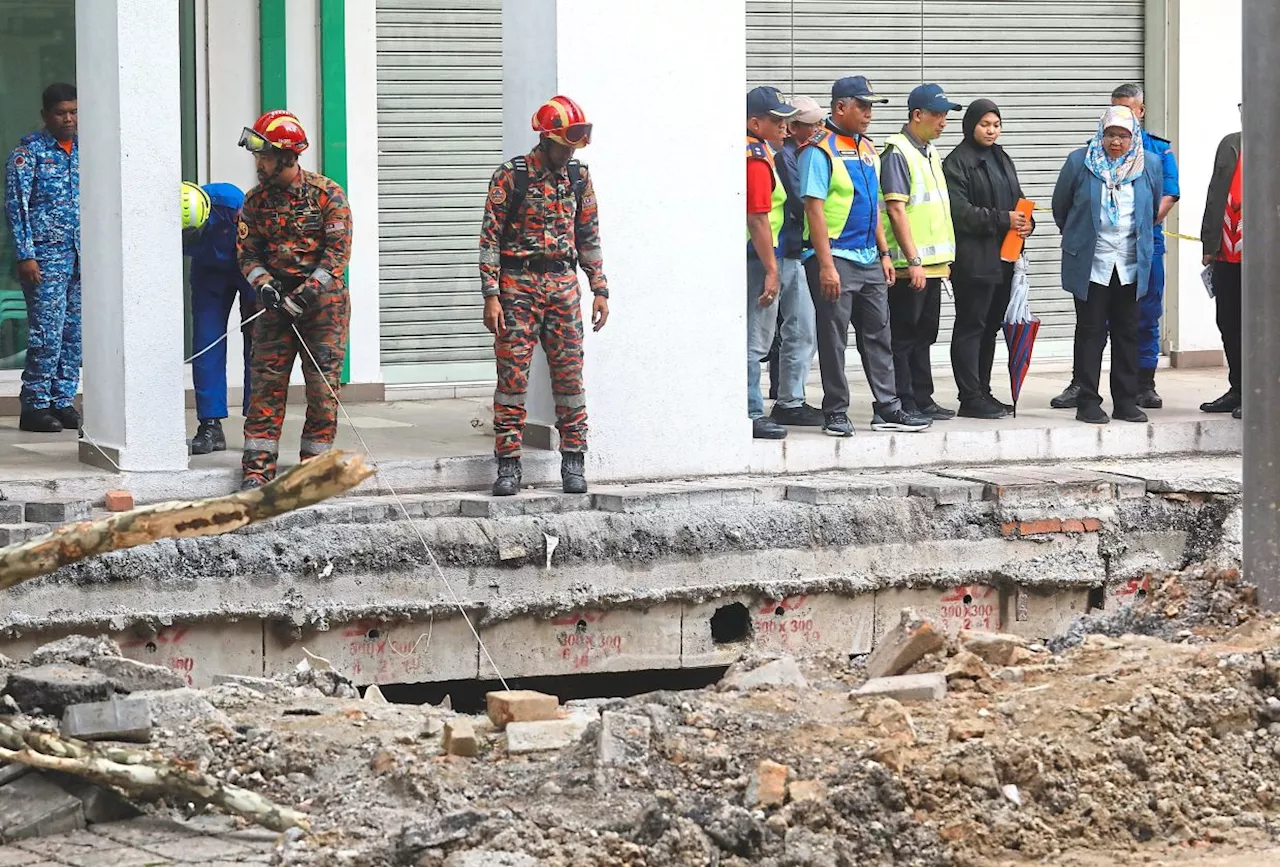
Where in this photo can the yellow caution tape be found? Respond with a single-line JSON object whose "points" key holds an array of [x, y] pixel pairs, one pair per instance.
{"points": [[1167, 233]]}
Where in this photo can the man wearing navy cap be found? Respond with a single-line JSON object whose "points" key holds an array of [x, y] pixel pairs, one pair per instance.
{"points": [[767, 116], [846, 260], [922, 241]]}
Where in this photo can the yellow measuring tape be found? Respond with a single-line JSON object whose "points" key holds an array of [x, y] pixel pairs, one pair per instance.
{"points": [[1167, 233]]}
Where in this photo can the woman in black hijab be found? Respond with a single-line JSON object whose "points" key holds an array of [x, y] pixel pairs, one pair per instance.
{"points": [[984, 191]]}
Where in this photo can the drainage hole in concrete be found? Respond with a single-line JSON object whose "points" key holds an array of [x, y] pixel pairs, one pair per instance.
{"points": [[1097, 599], [731, 624], [582, 626], [373, 635], [968, 599], [467, 696], [151, 647], [779, 612]]}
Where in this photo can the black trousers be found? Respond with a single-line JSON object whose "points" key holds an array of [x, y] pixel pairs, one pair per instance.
{"points": [[980, 311], [1108, 309], [913, 320], [1226, 294]]}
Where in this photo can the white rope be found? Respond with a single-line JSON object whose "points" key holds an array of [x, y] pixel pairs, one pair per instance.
{"points": [[224, 336], [413, 522]]}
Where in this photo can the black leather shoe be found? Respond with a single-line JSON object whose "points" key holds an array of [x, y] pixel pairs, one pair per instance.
{"points": [[1129, 413], [40, 421], [764, 429], [984, 408], [69, 417], [508, 482], [209, 438], [936, 412], [573, 477], [1069, 399], [1229, 402], [798, 416], [1092, 415]]}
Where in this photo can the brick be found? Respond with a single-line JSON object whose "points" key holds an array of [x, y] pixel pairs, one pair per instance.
{"points": [[1009, 528], [807, 790], [460, 738], [118, 501], [624, 738], [1092, 525], [905, 687], [1040, 527], [640, 498], [1073, 525], [520, 705], [823, 493], [59, 511], [768, 785], [126, 719], [32, 806], [16, 534], [903, 646], [54, 688], [552, 734], [11, 512]]}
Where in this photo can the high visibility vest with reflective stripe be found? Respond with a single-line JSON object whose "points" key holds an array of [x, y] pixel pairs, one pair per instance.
{"points": [[849, 227], [758, 149], [928, 207]]}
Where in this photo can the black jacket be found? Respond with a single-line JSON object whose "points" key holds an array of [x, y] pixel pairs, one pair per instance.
{"points": [[1215, 206], [980, 226]]}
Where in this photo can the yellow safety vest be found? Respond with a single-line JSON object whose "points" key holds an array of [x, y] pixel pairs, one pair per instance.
{"points": [[758, 149], [928, 207]]}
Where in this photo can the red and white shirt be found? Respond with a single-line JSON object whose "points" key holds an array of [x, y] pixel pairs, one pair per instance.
{"points": [[1233, 218]]}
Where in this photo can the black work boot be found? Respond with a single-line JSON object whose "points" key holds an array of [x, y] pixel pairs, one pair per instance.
{"points": [[508, 481], [209, 437], [1069, 399], [69, 417], [573, 473], [1148, 398], [39, 421]]}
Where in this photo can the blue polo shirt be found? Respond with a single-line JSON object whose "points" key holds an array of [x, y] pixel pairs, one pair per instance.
{"points": [[1163, 150]]}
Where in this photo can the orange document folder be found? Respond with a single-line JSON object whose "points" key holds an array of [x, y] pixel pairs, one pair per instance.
{"points": [[1011, 249]]}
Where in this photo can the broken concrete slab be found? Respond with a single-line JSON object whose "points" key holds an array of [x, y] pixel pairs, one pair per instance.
{"points": [[264, 685], [825, 491], [59, 511], [520, 705], [100, 804], [546, 735], [126, 719], [624, 738], [53, 688], [78, 649], [993, 648], [130, 675], [904, 646], [942, 490], [460, 738], [177, 708], [965, 666], [905, 687], [33, 806], [779, 672], [10, 771]]}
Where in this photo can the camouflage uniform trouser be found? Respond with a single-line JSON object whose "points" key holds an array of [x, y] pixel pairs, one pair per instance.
{"points": [[51, 375], [323, 325], [546, 309]]}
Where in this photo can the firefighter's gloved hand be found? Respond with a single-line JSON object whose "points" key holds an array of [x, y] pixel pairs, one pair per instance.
{"points": [[297, 302], [271, 294]]}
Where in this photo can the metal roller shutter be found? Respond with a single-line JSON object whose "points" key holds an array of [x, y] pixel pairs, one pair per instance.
{"points": [[1049, 65], [440, 138]]}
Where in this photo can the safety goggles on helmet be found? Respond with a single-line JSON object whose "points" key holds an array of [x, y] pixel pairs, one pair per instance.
{"points": [[254, 142], [576, 134]]}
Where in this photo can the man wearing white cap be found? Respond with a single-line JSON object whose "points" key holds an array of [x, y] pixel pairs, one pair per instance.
{"points": [[797, 342]]}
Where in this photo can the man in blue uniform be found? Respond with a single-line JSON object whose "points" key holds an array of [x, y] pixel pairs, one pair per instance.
{"points": [[42, 204], [216, 283], [1151, 305]]}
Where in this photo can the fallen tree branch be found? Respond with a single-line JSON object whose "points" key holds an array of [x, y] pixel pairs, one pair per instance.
{"points": [[144, 773], [306, 484]]}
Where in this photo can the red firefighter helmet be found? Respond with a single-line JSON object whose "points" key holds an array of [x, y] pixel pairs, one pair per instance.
{"points": [[277, 129], [563, 120]]}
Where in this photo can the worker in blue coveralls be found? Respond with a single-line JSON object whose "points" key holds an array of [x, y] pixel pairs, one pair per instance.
{"points": [[42, 204], [1150, 305], [216, 283]]}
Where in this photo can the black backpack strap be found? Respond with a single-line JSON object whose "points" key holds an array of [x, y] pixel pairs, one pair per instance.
{"points": [[520, 172], [577, 181]]}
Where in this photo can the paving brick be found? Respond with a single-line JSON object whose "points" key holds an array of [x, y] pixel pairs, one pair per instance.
{"points": [[11, 512], [59, 511], [944, 491], [1073, 525], [768, 785], [640, 498], [904, 687], [32, 806], [552, 734], [520, 705], [460, 738], [16, 534], [904, 646], [1039, 527], [127, 719], [118, 501], [526, 502], [823, 492]]}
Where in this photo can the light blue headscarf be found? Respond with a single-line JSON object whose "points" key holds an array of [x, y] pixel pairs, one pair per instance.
{"points": [[1126, 169]]}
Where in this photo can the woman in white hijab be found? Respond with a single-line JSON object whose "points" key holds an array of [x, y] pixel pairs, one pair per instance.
{"points": [[1105, 203]]}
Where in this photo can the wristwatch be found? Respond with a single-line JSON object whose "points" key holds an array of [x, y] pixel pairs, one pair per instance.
{"points": [[885, 254], [915, 262]]}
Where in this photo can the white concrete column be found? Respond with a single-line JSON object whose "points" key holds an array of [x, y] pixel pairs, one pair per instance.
{"points": [[666, 378], [1206, 46], [127, 58], [362, 190]]}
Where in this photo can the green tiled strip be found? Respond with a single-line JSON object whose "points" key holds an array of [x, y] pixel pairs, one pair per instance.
{"points": [[333, 107]]}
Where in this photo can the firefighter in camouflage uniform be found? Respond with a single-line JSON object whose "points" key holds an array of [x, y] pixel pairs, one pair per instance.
{"points": [[294, 245], [540, 224]]}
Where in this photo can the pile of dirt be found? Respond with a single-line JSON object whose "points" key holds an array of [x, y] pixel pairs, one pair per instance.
{"points": [[1149, 735]]}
